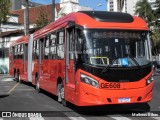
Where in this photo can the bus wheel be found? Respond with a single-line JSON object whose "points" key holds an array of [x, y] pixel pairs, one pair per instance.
{"points": [[61, 94], [14, 75], [18, 78], [37, 85]]}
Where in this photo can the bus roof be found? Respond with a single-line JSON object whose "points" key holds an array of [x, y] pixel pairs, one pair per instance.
{"points": [[96, 19], [23, 39], [92, 19]]}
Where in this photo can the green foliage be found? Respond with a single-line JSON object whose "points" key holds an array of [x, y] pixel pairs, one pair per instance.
{"points": [[4, 10], [42, 19], [144, 10], [157, 11]]}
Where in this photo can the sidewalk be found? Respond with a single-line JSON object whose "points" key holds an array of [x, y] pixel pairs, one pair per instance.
{"points": [[4, 81], [5, 76]]}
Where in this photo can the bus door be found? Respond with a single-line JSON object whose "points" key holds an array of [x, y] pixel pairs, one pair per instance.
{"points": [[25, 58], [46, 63], [41, 58], [70, 65]]}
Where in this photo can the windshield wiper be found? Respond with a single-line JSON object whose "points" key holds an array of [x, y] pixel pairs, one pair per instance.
{"points": [[104, 71], [135, 61]]}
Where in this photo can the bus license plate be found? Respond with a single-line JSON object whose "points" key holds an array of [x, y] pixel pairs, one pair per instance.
{"points": [[123, 100]]}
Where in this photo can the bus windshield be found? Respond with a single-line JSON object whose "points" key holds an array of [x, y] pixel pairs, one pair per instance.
{"points": [[115, 48]]}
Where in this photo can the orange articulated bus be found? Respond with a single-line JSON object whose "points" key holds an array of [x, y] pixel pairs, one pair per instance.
{"points": [[88, 58]]}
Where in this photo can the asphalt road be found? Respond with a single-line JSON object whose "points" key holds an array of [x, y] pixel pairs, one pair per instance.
{"points": [[23, 100]]}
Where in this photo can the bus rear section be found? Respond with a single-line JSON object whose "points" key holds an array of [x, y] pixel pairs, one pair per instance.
{"points": [[18, 59], [111, 65]]}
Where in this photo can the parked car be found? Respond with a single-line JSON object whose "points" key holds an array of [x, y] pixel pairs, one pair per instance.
{"points": [[156, 64]]}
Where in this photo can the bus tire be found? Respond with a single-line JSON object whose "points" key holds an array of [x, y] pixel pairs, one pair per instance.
{"points": [[37, 84], [14, 75], [61, 94], [18, 77]]}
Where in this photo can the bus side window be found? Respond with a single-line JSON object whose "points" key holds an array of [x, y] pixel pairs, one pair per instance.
{"points": [[21, 52], [18, 51], [25, 51], [37, 50], [60, 45], [46, 48], [33, 53], [53, 53], [78, 45], [13, 52], [71, 43]]}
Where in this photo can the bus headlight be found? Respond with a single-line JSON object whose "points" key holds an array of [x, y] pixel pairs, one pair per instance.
{"points": [[88, 80], [149, 80]]}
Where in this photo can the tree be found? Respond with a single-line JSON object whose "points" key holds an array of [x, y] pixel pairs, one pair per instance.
{"points": [[144, 10], [4, 11], [155, 36], [157, 11], [42, 19]]}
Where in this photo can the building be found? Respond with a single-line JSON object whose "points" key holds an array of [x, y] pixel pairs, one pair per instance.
{"points": [[61, 9], [68, 6], [127, 6], [19, 4]]}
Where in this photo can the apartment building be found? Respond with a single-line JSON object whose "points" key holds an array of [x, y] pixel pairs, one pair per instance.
{"points": [[127, 6]]}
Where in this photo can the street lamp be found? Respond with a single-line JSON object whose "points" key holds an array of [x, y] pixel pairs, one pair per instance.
{"points": [[97, 6]]}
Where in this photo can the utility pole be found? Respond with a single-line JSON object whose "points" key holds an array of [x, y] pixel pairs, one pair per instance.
{"points": [[26, 17], [53, 10]]}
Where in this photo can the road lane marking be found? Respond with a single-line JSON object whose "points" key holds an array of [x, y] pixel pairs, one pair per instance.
{"points": [[157, 118], [13, 88], [7, 79], [119, 117], [36, 118], [74, 118], [25, 90], [77, 118]]}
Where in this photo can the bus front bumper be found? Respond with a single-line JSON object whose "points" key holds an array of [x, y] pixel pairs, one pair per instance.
{"points": [[90, 96]]}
